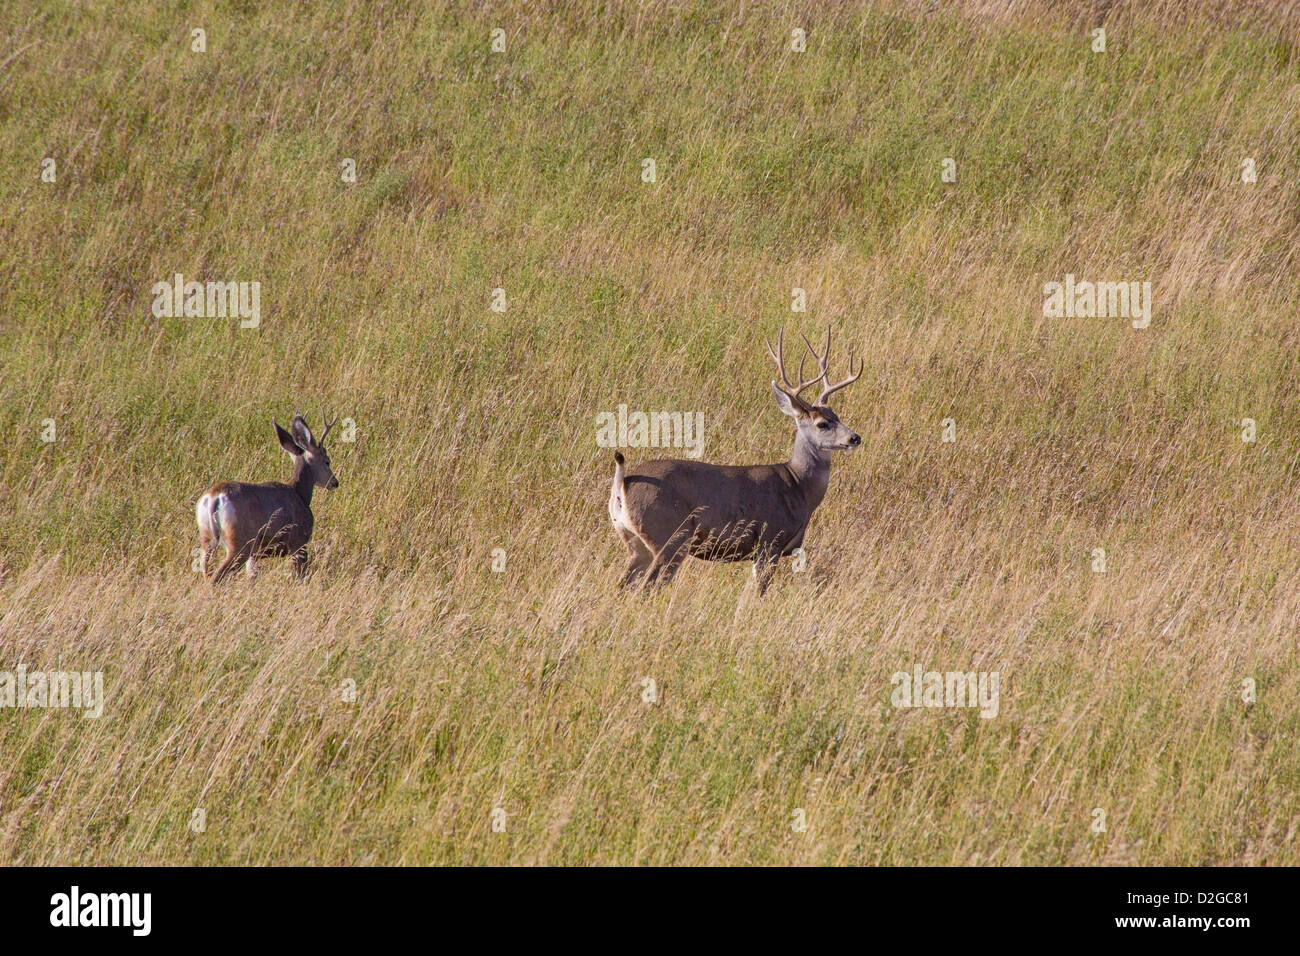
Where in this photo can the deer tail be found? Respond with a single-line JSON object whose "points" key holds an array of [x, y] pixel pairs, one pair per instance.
{"points": [[616, 489]]}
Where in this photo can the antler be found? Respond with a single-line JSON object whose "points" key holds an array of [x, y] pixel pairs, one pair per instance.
{"points": [[830, 389], [779, 358], [823, 371], [328, 424]]}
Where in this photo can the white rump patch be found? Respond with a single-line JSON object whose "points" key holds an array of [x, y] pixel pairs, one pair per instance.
{"points": [[211, 513], [201, 514]]}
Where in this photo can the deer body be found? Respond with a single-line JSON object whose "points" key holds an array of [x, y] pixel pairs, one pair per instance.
{"points": [[667, 510], [271, 519]]}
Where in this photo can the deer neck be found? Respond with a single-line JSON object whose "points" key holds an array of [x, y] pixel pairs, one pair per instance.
{"points": [[811, 468], [301, 481]]}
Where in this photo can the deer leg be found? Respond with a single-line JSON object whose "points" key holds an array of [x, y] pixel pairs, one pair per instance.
{"points": [[300, 563], [639, 557], [235, 556], [669, 559], [227, 568], [637, 565], [764, 568], [207, 550]]}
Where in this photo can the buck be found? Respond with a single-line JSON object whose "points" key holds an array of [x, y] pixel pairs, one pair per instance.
{"points": [[272, 519], [668, 509]]}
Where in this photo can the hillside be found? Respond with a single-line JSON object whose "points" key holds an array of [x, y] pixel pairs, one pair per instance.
{"points": [[1167, 159]]}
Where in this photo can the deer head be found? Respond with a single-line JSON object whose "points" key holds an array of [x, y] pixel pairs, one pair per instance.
{"points": [[817, 425], [308, 453]]}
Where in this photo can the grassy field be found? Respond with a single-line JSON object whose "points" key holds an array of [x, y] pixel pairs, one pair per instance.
{"points": [[507, 716]]}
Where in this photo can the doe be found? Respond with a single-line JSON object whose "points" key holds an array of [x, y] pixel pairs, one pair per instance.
{"points": [[668, 509], [272, 519]]}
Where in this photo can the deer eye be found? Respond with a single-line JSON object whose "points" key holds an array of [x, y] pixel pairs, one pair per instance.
{"points": [[823, 425]]}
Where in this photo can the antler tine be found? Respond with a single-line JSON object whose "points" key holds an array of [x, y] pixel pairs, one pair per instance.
{"points": [[779, 357], [780, 345], [830, 389], [824, 358], [325, 417]]}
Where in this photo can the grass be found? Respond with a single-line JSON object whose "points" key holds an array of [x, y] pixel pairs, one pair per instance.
{"points": [[475, 430]]}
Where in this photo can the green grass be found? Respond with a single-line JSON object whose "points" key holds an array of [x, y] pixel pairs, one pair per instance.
{"points": [[475, 430]]}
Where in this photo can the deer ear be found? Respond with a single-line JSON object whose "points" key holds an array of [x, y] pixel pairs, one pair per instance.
{"points": [[301, 433], [786, 403], [286, 441]]}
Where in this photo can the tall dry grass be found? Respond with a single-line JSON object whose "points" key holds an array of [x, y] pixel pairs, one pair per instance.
{"points": [[523, 690]]}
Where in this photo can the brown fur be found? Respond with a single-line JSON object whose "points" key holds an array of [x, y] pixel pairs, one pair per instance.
{"points": [[271, 519], [669, 509]]}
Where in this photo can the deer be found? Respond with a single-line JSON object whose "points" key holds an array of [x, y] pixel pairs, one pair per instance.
{"points": [[272, 519], [669, 509]]}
